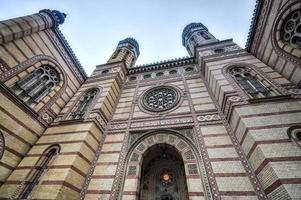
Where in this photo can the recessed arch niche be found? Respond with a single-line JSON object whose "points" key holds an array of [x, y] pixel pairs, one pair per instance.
{"points": [[164, 165]]}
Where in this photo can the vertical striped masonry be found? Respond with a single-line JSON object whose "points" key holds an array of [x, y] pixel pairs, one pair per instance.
{"points": [[230, 143]]}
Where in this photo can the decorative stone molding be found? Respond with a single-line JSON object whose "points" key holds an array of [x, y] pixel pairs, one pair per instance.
{"points": [[27, 64], [257, 24], [244, 97], [67, 53], [188, 133], [159, 99], [139, 143], [204, 118], [158, 123], [160, 94]]}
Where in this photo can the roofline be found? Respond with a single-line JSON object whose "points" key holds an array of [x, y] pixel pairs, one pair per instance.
{"points": [[70, 52], [162, 65], [253, 26]]}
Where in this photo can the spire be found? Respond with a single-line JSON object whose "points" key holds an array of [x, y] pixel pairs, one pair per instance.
{"points": [[194, 35]]}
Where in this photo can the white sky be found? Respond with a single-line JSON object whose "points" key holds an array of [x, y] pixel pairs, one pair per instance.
{"points": [[94, 27]]}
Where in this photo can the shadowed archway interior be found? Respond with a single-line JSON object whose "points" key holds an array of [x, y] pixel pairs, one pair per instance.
{"points": [[163, 174]]}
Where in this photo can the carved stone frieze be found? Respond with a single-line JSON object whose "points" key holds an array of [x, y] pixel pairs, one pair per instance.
{"points": [[162, 122], [204, 118]]}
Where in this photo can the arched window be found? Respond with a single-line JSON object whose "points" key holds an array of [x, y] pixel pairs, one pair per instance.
{"points": [[36, 85], [42, 166], [291, 29], [83, 105], [252, 83]]}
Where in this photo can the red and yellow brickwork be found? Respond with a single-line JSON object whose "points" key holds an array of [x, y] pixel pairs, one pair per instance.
{"points": [[232, 146]]}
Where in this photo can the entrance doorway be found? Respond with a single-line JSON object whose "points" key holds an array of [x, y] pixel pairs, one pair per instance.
{"points": [[163, 174]]}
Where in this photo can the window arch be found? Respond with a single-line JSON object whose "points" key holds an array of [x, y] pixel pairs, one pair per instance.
{"points": [[2, 145], [36, 85], [42, 166], [290, 32], [252, 83], [286, 32], [83, 104]]}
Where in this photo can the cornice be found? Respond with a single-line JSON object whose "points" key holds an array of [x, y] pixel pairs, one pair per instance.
{"points": [[162, 65], [254, 22], [70, 52]]}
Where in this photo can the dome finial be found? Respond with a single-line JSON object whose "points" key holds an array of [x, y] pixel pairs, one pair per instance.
{"points": [[57, 16]]}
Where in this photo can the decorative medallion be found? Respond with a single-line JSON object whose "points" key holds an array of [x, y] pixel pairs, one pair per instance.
{"points": [[160, 98], [166, 177]]}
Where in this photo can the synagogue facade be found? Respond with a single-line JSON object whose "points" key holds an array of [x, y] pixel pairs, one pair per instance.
{"points": [[222, 123]]}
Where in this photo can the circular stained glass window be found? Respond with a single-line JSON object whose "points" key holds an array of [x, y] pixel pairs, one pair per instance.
{"points": [[160, 98]]}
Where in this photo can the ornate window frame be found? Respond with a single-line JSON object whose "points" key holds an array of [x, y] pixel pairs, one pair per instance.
{"points": [[282, 49], [177, 103], [245, 97], [77, 100], [32, 64]]}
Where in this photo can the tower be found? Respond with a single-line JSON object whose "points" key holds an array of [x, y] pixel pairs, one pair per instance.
{"points": [[194, 35], [127, 51]]}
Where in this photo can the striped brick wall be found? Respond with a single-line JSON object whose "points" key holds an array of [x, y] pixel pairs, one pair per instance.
{"points": [[79, 141], [102, 179], [25, 44], [226, 164], [260, 128], [262, 132], [263, 48]]}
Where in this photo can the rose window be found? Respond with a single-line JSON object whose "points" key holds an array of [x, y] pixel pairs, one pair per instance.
{"points": [[291, 30], [160, 98]]}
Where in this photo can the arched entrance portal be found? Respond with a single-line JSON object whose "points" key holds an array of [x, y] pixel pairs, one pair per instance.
{"points": [[163, 174], [164, 157]]}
